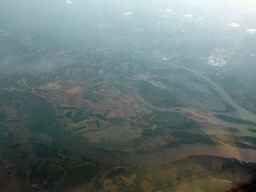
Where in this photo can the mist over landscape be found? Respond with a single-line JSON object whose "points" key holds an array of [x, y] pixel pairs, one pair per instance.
{"points": [[155, 27], [125, 95]]}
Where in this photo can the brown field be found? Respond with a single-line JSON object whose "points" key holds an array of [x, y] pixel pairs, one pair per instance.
{"points": [[21, 132], [123, 108], [65, 92], [115, 133], [78, 125], [100, 111], [108, 92], [137, 107]]}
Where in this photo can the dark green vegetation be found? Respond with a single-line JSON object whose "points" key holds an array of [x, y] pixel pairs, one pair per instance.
{"points": [[20, 153], [79, 116], [190, 138], [157, 96], [3, 128], [76, 176], [94, 97], [186, 125], [3, 116], [16, 146], [152, 133], [83, 173], [44, 172], [168, 119], [41, 150], [38, 126]]}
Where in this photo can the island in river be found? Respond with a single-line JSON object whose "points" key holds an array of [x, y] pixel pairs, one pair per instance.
{"points": [[103, 123]]}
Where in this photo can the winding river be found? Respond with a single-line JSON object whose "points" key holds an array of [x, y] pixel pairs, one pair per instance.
{"points": [[117, 159]]}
